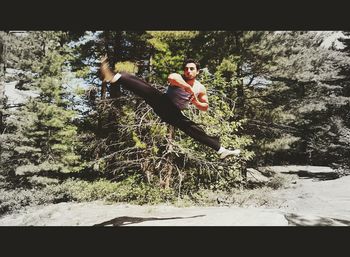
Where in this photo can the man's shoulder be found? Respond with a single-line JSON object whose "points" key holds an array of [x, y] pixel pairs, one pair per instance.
{"points": [[200, 85]]}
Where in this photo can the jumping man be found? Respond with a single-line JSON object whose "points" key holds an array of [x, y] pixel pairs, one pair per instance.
{"points": [[182, 91]]}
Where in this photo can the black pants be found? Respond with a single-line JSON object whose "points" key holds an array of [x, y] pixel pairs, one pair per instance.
{"points": [[167, 110]]}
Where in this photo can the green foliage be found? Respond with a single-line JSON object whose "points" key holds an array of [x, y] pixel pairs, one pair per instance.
{"points": [[41, 136], [138, 143], [131, 190], [13, 200], [126, 67], [281, 97], [131, 138], [170, 51]]}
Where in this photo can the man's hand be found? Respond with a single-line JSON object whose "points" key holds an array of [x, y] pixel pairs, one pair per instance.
{"points": [[193, 98], [190, 91], [201, 103], [176, 79]]}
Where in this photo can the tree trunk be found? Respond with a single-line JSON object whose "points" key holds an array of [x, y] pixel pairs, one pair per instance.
{"points": [[169, 167], [240, 95], [240, 89], [99, 121], [2, 80], [103, 90], [115, 90]]}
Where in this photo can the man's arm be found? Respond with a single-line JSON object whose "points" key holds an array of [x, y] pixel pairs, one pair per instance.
{"points": [[201, 102], [176, 79]]}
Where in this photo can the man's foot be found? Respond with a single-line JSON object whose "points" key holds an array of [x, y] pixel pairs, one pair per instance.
{"points": [[106, 73], [225, 152]]}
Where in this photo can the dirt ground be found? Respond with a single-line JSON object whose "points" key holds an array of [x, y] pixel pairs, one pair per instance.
{"points": [[302, 201]]}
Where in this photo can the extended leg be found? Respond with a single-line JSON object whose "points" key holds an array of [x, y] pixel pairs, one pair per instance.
{"points": [[129, 82]]}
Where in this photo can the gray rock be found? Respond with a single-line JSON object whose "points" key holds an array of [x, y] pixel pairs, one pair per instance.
{"points": [[254, 175]]}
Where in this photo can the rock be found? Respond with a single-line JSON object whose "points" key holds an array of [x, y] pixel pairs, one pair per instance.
{"points": [[254, 175]]}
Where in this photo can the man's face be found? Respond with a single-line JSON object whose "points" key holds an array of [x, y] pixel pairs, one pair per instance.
{"points": [[190, 71]]}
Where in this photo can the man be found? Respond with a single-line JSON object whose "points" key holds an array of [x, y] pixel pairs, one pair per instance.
{"points": [[182, 91]]}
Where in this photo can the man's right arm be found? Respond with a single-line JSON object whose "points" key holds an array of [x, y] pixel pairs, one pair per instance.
{"points": [[176, 79]]}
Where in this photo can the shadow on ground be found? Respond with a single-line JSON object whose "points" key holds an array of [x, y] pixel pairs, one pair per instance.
{"points": [[300, 220], [314, 175], [125, 220]]}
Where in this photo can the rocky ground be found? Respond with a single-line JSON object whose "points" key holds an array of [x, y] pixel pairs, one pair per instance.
{"points": [[310, 196]]}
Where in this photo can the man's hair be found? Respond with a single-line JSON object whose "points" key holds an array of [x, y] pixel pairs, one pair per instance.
{"points": [[191, 61]]}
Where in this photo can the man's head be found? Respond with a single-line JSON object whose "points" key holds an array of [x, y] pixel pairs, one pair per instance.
{"points": [[191, 69]]}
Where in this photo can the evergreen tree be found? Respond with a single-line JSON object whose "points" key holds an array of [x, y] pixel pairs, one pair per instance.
{"points": [[340, 126], [303, 94], [284, 84], [2, 78], [43, 137]]}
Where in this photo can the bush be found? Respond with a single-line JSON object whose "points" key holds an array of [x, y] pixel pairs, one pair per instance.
{"points": [[129, 190], [14, 200]]}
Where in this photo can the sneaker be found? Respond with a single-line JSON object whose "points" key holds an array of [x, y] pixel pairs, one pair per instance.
{"points": [[106, 73], [227, 152]]}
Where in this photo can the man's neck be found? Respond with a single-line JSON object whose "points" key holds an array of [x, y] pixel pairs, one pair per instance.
{"points": [[190, 81]]}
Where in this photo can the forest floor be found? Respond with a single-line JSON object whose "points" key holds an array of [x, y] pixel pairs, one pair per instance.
{"points": [[303, 200]]}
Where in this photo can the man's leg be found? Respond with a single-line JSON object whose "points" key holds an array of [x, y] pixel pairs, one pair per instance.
{"points": [[129, 82], [196, 132]]}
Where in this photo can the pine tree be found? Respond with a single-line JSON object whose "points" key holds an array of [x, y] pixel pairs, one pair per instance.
{"points": [[304, 92], [44, 137], [2, 78], [285, 84]]}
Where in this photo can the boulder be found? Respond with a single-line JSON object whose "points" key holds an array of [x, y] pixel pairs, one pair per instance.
{"points": [[254, 175]]}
